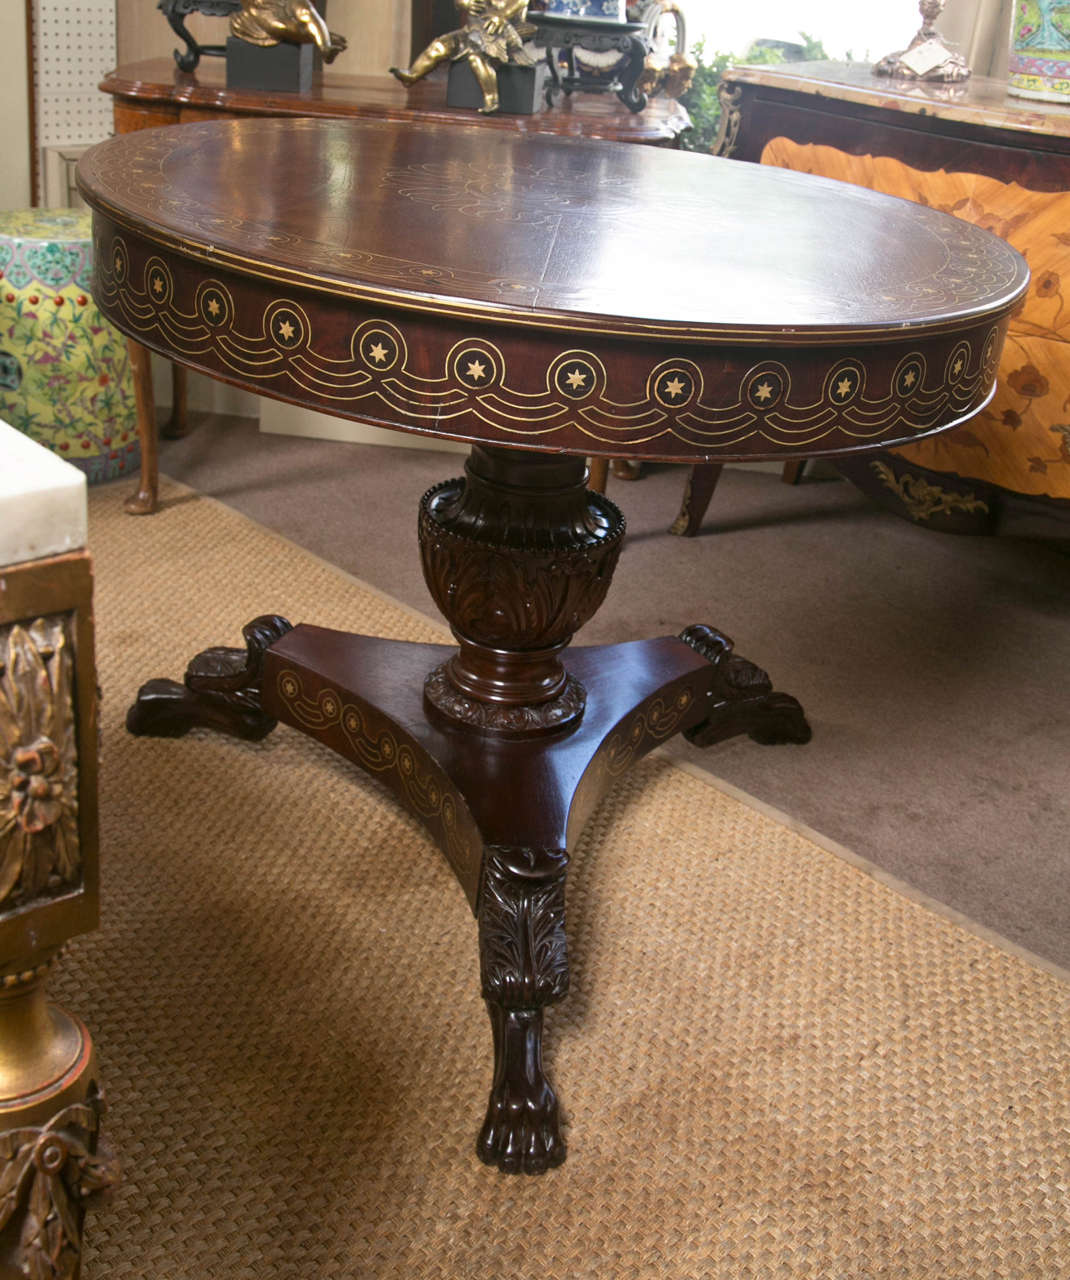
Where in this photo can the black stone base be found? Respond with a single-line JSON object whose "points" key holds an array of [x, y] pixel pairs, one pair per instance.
{"points": [[280, 68], [521, 90]]}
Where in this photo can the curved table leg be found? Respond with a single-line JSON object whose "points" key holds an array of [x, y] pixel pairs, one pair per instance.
{"points": [[701, 482], [145, 500], [597, 474], [177, 425]]}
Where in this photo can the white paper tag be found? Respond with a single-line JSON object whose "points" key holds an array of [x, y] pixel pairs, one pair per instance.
{"points": [[925, 57]]}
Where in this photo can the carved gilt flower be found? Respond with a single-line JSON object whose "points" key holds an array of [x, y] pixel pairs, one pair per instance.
{"points": [[38, 760]]}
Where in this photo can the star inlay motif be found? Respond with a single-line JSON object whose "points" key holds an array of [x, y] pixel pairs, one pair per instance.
{"points": [[909, 378], [286, 331], [763, 392], [213, 306], [378, 353], [957, 367], [576, 379], [157, 284], [118, 262], [674, 388], [476, 371], [843, 387]]}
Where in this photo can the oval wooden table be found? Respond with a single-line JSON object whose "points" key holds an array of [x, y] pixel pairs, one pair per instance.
{"points": [[544, 300]]}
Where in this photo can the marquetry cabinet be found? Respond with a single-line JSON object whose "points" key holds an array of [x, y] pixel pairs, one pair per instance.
{"points": [[997, 161]]}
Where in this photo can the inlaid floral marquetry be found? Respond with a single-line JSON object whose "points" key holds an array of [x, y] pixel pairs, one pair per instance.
{"points": [[1019, 441], [39, 846]]}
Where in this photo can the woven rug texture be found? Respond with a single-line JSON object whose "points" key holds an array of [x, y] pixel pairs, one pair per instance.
{"points": [[771, 1064]]}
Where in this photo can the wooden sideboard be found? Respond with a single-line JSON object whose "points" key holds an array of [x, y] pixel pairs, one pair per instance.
{"points": [[156, 92], [994, 160]]}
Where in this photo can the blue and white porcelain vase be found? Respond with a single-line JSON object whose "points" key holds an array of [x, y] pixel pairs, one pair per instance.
{"points": [[607, 10]]}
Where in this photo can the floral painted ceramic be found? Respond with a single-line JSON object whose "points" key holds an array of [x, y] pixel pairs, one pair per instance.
{"points": [[1039, 65], [64, 375]]}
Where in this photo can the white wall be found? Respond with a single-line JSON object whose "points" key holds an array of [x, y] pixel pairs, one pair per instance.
{"points": [[14, 109]]}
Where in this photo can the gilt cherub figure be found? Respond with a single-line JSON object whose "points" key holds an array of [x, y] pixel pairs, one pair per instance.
{"points": [[271, 22], [491, 37]]}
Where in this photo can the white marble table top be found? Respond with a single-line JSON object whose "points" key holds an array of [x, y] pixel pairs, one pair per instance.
{"points": [[42, 501]]}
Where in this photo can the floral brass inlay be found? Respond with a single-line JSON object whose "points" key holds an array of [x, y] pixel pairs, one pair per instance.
{"points": [[923, 500], [39, 848]]}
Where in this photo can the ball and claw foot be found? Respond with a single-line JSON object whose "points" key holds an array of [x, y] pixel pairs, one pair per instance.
{"points": [[521, 1132], [742, 698]]}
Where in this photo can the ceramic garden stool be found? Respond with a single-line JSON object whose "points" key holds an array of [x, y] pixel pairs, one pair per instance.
{"points": [[65, 378]]}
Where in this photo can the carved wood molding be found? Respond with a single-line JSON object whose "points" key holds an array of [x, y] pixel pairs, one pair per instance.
{"points": [[40, 852], [48, 1173], [522, 948]]}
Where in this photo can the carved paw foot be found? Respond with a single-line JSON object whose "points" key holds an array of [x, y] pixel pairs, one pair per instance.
{"points": [[521, 1132], [742, 698], [221, 691], [524, 965]]}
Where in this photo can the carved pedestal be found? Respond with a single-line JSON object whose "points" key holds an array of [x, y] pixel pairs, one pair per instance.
{"points": [[50, 1099], [503, 745]]}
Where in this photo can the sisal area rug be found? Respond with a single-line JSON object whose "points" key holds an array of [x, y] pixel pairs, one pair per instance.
{"points": [[772, 1064]]}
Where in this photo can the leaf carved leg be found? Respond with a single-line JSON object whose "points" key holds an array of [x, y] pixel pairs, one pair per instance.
{"points": [[524, 967], [743, 699], [222, 690]]}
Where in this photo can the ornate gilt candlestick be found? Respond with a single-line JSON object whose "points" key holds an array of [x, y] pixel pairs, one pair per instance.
{"points": [[927, 57]]}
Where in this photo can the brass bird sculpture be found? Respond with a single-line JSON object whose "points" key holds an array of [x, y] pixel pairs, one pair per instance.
{"points": [[269, 22]]}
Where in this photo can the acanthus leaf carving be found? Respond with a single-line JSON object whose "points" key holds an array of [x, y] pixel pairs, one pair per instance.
{"points": [[523, 949], [52, 1170], [39, 847]]}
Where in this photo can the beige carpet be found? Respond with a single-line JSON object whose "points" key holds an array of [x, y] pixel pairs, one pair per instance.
{"points": [[772, 1065]]}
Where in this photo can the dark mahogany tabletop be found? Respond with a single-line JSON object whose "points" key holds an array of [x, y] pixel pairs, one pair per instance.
{"points": [[545, 292]]}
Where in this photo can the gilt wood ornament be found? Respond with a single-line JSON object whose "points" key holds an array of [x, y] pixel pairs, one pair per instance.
{"points": [[39, 842]]}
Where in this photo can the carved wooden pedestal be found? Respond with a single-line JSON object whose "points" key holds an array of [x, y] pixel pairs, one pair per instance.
{"points": [[503, 745], [50, 1100]]}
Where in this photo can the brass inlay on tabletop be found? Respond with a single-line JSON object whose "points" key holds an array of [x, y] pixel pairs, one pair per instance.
{"points": [[969, 265]]}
